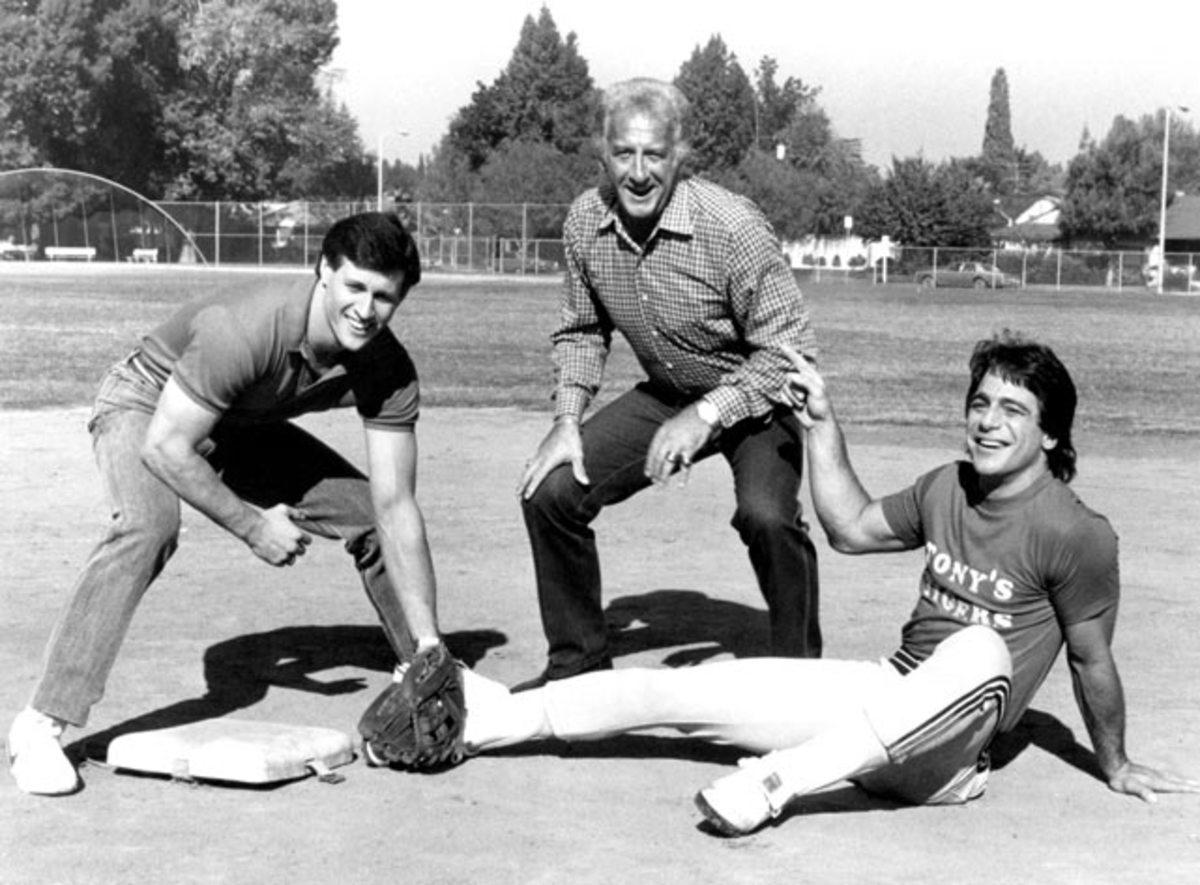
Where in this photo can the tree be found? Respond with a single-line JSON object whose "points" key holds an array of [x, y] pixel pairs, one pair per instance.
{"points": [[787, 196], [818, 179], [920, 204], [998, 150], [533, 172], [1113, 187], [545, 94], [212, 100], [81, 84], [1035, 174], [327, 158], [248, 121], [722, 106], [777, 105], [537, 173]]}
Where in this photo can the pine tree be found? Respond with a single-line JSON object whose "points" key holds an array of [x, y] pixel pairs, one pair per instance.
{"points": [[778, 104], [722, 106], [998, 149], [544, 95]]}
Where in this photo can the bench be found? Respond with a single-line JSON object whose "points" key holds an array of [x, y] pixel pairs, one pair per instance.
{"points": [[144, 256], [71, 253], [10, 251]]}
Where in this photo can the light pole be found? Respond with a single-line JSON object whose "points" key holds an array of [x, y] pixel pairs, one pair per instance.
{"points": [[379, 173], [1162, 206]]}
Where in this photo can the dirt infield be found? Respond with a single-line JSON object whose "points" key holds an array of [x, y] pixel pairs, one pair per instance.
{"points": [[221, 634]]}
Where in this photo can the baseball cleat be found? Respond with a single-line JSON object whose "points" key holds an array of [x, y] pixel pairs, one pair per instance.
{"points": [[739, 803], [36, 757]]}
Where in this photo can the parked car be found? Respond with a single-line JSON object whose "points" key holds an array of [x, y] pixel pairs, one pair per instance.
{"points": [[974, 274]]}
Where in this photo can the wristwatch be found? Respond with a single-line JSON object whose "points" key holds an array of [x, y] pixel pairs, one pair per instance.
{"points": [[708, 413]]}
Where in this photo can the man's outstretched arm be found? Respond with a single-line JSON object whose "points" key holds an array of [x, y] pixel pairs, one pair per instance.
{"points": [[1102, 703], [392, 469], [852, 519]]}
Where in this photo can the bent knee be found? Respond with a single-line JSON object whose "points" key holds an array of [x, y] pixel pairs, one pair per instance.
{"points": [[963, 687], [559, 492], [757, 518], [158, 531], [977, 651]]}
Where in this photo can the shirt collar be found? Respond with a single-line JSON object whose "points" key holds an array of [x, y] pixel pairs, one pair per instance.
{"points": [[302, 347], [676, 218]]}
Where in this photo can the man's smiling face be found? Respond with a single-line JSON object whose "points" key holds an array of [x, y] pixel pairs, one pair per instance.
{"points": [[358, 302], [642, 161], [1005, 441]]}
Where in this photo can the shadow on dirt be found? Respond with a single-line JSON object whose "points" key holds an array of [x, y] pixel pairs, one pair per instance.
{"points": [[1046, 733], [672, 618], [239, 672]]}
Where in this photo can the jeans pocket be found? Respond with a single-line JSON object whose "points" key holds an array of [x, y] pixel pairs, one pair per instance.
{"points": [[122, 388]]}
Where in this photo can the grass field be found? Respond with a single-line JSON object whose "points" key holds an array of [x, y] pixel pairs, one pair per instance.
{"points": [[895, 354]]}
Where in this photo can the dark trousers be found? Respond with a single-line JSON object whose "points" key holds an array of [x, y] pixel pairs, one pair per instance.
{"points": [[766, 460]]}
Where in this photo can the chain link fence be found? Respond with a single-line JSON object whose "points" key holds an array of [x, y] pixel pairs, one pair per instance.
{"points": [[1041, 267], [520, 238], [525, 238], [88, 222]]}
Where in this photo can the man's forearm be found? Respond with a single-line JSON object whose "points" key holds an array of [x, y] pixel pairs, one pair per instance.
{"points": [[838, 496], [407, 558], [579, 370], [1101, 702]]}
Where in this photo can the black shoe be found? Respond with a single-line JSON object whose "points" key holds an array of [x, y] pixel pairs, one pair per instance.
{"points": [[548, 675]]}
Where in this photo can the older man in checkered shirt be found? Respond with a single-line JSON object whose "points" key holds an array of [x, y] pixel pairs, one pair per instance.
{"points": [[693, 277]]}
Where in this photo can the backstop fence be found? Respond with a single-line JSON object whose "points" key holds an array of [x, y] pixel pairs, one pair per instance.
{"points": [[521, 238]]}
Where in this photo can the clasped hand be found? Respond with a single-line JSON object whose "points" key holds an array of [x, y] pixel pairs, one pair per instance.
{"points": [[276, 539]]}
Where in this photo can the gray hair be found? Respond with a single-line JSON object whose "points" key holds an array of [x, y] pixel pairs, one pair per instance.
{"points": [[660, 100]]}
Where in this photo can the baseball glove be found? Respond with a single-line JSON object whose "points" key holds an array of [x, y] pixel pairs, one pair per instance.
{"points": [[418, 721]]}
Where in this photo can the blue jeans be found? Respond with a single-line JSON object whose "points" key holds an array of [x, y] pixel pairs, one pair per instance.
{"points": [[766, 457], [265, 465]]}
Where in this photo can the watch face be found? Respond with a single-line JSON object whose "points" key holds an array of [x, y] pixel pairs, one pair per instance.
{"points": [[708, 412]]}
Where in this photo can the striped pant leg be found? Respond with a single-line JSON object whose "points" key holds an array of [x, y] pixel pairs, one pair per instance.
{"points": [[938, 720]]}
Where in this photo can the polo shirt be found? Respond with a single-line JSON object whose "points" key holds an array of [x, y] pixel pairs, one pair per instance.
{"points": [[243, 354]]}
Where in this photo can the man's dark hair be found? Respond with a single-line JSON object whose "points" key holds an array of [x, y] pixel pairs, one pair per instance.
{"points": [[1034, 367], [373, 241]]}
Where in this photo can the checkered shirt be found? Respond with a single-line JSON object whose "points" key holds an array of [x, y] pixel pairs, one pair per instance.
{"points": [[704, 303]]}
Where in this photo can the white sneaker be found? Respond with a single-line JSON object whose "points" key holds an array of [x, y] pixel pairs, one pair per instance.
{"points": [[740, 803], [36, 758]]}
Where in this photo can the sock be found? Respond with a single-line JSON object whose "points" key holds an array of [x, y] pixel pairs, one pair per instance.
{"points": [[497, 718], [841, 752]]}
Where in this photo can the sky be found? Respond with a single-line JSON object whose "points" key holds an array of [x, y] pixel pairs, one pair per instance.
{"points": [[905, 78]]}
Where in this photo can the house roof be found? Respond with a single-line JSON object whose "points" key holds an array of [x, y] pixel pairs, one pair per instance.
{"points": [[1019, 206], [1183, 218], [1026, 232]]}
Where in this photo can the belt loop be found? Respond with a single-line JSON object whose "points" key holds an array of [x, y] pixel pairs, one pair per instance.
{"points": [[134, 361]]}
